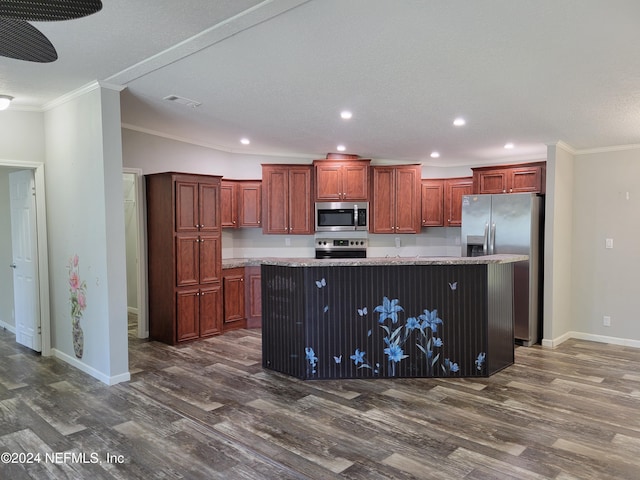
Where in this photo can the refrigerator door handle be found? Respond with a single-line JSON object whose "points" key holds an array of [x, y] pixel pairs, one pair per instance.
{"points": [[485, 243], [492, 243]]}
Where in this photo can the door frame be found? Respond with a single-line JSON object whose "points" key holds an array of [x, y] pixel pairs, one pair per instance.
{"points": [[143, 298], [41, 236]]}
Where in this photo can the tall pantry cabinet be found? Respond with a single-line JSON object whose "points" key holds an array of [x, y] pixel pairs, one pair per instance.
{"points": [[185, 256]]}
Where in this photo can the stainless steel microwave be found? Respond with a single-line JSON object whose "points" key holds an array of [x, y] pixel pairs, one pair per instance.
{"points": [[341, 216]]}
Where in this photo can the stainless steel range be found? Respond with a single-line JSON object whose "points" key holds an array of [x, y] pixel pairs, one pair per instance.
{"points": [[341, 247]]}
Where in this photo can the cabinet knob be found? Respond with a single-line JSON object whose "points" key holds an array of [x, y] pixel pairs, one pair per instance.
{"points": [[198, 294]]}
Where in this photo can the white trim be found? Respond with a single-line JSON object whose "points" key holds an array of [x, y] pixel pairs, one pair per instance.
{"points": [[7, 326], [614, 148], [123, 377], [626, 342], [141, 246], [566, 147], [79, 92]]}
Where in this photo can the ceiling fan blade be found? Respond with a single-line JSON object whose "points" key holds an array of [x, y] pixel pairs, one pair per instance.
{"points": [[23, 41], [48, 10]]}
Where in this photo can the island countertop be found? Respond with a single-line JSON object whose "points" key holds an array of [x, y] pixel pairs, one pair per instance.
{"points": [[373, 261]]}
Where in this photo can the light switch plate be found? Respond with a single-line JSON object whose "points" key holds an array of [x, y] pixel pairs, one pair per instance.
{"points": [[608, 243]]}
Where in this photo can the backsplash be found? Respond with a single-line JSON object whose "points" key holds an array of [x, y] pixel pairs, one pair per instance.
{"points": [[251, 243]]}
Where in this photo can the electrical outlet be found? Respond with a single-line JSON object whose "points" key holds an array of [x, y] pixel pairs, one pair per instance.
{"points": [[397, 242], [606, 321], [287, 242]]}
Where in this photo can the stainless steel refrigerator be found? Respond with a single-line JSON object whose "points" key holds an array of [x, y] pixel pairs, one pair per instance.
{"points": [[511, 223]]}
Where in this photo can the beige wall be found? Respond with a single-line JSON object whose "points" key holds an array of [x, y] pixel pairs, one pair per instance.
{"points": [[558, 245], [606, 281]]}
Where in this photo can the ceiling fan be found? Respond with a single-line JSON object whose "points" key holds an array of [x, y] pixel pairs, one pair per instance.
{"points": [[21, 40]]}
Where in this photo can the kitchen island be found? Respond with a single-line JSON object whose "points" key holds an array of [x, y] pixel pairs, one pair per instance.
{"points": [[388, 317]]}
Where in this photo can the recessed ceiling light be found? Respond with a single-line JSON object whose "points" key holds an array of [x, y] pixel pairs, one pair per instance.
{"points": [[435, 154], [509, 145], [459, 122], [346, 114], [341, 148], [5, 100], [245, 141]]}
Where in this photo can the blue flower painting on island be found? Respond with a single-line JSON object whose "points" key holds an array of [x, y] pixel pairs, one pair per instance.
{"points": [[402, 336]]}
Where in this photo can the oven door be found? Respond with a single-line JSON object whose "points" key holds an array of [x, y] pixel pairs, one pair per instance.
{"points": [[356, 253]]}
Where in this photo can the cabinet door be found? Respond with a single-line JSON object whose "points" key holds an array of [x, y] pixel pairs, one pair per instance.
{"points": [[210, 310], [355, 182], [526, 179], [454, 190], [187, 260], [250, 201], [407, 201], [233, 292], [329, 182], [186, 206], [493, 181], [187, 314], [209, 201], [210, 251], [228, 204], [382, 213], [275, 199], [432, 203], [300, 195], [253, 296]]}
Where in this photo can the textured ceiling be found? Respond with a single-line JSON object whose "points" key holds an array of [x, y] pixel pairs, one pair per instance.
{"points": [[279, 72]]}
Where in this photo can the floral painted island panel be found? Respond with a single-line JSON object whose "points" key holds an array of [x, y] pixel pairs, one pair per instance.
{"points": [[387, 321]]}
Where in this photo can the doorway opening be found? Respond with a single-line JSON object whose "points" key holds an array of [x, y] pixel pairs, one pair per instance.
{"points": [[135, 240], [32, 292]]}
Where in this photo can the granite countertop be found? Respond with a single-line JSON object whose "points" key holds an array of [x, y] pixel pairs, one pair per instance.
{"points": [[313, 262]]}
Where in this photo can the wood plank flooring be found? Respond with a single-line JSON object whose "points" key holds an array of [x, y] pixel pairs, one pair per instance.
{"points": [[208, 410]]}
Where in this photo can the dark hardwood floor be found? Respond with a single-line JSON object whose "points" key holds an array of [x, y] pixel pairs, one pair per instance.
{"points": [[208, 410]]}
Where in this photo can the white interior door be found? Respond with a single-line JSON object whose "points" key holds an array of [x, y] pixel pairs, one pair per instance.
{"points": [[25, 259]]}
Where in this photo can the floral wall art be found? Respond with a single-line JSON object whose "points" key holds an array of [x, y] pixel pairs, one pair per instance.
{"points": [[78, 301]]}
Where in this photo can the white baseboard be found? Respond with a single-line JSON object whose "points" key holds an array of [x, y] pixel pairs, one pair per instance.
{"points": [[132, 310], [123, 377], [626, 342], [7, 326]]}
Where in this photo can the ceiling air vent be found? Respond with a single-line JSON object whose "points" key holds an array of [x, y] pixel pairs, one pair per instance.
{"points": [[182, 101]]}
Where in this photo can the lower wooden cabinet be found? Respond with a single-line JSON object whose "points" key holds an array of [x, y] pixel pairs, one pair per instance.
{"points": [[234, 299], [199, 311], [253, 296]]}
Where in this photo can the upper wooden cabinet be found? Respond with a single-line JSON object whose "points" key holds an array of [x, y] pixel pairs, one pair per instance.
{"points": [[395, 199], [528, 177], [287, 199], [342, 180], [454, 189], [196, 205], [241, 202], [432, 203]]}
